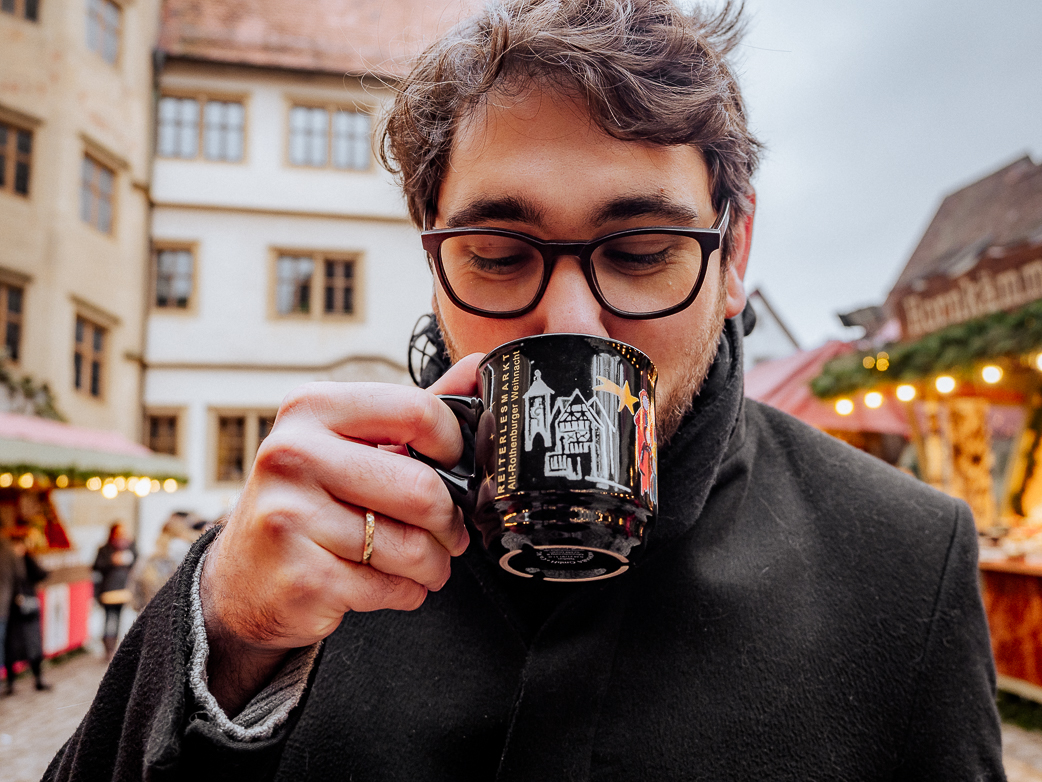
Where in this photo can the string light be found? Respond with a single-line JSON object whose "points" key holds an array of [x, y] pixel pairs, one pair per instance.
{"points": [[121, 483], [868, 362], [109, 491], [905, 392], [1038, 361], [94, 483], [883, 361], [62, 481], [26, 481], [945, 384], [873, 399], [142, 487], [6, 479], [154, 485], [844, 406], [169, 485], [991, 374]]}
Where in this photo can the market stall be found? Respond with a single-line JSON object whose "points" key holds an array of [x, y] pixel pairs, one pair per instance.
{"points": [[41, 457], [968, 368]]}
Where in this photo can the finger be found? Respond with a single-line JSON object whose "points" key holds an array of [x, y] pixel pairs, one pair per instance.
{"points": [[398, 549], [462, 378], [379, 413], [392, 484]]}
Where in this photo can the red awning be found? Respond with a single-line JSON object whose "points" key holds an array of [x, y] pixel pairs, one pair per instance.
{"points": [[784, 383]]}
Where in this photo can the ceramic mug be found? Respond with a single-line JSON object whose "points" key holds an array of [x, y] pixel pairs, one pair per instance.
{"points": [[561, 481]]}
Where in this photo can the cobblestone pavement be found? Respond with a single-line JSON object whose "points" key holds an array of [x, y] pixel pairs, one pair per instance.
{"points": [[34, 725]]}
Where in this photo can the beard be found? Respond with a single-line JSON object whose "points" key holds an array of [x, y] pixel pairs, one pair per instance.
{"points": [[672, 405]]}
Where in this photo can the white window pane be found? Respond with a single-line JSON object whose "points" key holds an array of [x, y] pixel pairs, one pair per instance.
{"points": [[104, 215], [297, 118], [168, 109], [233, 145], [189, 111], [235, 115], [296, 149]]}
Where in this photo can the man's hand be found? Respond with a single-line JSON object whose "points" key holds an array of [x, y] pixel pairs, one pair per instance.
{"points": [[288, 564]]}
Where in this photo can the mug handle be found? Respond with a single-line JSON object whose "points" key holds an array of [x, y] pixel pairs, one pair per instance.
{"points": [[462, 485]]}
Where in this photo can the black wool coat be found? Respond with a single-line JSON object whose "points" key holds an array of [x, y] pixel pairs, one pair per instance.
{"points": [[804, 612]]}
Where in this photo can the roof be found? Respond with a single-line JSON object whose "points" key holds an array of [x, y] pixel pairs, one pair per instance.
{"points": [[332, 36], [784, 383], [1002, 209], [31, 442]]}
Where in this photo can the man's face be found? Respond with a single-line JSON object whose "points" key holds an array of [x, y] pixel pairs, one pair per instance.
{"points": [[540, 165]]}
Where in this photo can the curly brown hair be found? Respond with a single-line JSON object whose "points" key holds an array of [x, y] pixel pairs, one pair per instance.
{"points": [[646, 69]]}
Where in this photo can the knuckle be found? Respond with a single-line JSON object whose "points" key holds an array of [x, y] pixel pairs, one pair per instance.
{"points": [[428, 493], [282, 456], [413, 549], [422, 414], [278, 524]]}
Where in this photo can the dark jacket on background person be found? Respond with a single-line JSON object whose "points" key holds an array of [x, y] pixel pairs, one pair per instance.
{"points": [[24, 640], [113, 576], [804, 612]]}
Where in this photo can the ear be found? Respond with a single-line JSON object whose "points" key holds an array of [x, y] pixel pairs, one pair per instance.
{"points": [[734, 278]]}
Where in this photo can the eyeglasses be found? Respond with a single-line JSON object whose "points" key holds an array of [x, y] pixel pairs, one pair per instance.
{"points": [[640, 273]]}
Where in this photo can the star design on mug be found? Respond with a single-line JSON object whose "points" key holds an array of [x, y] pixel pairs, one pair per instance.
{"points": [[626, 398]]}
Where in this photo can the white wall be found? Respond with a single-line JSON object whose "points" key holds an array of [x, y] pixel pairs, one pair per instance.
{"points": [[228, 351]]}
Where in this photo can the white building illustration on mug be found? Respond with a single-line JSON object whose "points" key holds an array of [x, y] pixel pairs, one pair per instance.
{"points": [[575, 433]]}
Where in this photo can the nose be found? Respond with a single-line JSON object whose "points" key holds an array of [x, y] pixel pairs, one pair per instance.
{"points": [[568, 305]]}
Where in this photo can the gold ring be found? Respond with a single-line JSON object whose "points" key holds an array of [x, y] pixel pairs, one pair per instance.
{"points": [[370, 529]]}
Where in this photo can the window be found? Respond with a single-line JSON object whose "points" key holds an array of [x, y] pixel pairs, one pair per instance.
{"points": [[104, 18], [239, 435], [174, 269], [96, 190], [88, 361], [219, 136], [11, 297], [27, 9], [320, 137], [314, 284], [162, 433], [16, 148]]}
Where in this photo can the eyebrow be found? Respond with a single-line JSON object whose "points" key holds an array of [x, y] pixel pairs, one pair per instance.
{"points": [[515, 209], [657, 206], [518, 209]]}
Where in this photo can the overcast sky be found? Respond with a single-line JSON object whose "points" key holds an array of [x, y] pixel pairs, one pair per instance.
{"points": [[872, 112]]}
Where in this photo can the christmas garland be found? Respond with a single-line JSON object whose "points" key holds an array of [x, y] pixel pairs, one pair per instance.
{"points": [[954, 350]]}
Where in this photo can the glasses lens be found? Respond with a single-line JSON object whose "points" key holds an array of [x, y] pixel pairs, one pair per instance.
{"points": [[492, 273], [642, 273]]}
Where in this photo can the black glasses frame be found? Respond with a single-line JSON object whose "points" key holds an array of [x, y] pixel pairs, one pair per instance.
{"points": [[709, 240]]}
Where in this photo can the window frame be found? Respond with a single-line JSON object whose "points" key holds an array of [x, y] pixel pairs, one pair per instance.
{"points": [[163, 245], [100, 164], [316, 299], [12, 156], [13, 279], [202, 97], [19, 11], [178, 414], [251, 440], [331, 109], [117, 61], [85, 364]]}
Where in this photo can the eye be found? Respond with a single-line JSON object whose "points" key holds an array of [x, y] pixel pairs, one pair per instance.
{"points": [[487, 254], [642, 253]]}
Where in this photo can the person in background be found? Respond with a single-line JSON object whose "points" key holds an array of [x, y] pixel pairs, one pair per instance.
{"points": [[113, 564], [24, 640], [177, 536], [7, 566]]}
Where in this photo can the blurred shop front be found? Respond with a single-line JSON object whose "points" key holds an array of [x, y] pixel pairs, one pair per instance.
{"points": [[968, 369], [46, 469]]}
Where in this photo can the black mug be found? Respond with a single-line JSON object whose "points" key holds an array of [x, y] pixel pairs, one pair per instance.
{"points": [[564, 479]]}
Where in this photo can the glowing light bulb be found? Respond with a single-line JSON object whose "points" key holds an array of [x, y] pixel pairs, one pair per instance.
{"points": [[1038, 361], [109, 491], [154, 485], [844, 406], [94, 483], [873, 399], [121, 483], [868, 362], [26, 481], [62, 481], [142, 488], [906, 393], [170, 485], [991, 374], [6, 479], [945, 384]]}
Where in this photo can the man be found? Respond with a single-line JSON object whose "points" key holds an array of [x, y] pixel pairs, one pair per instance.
{"points": [[803, 611]]}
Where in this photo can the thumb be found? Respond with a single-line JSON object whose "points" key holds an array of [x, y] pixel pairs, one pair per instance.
{"points": [[461, 379]]}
